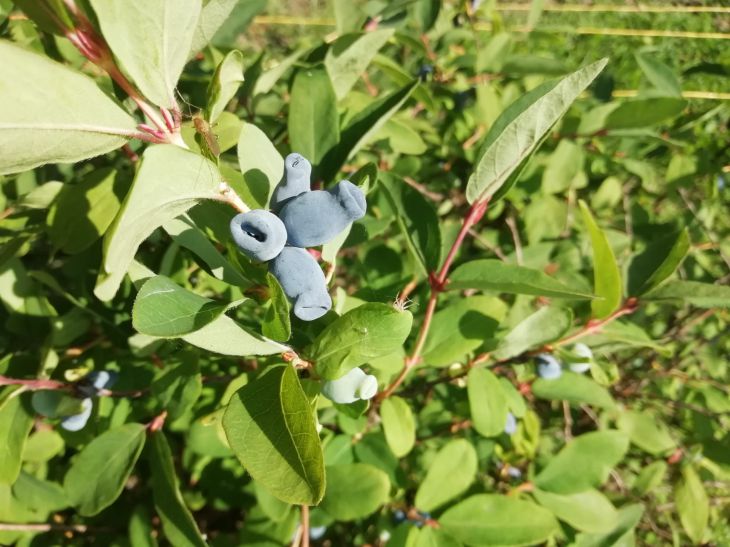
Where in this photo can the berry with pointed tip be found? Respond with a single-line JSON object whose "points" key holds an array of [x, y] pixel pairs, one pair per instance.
{"points": [[581, 350], [303, 282], [510, 426], [259, 234], [295, 181], [314, 218], [78, 421], [548, 367], [353, 386]]}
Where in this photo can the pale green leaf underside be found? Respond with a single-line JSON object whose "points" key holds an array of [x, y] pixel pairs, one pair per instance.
{"points": [[270, 427], [524, 133], [152, 39], [350, 55], [170, 181], [450, 473], [52, 114]]}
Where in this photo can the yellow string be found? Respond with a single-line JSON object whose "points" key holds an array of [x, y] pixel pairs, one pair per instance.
{"points": [[617, 9], [686, 94], [325, 22]]}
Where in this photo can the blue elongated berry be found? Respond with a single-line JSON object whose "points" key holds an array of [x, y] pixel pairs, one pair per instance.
{"points": [[95, 381], [259, 234], [303, 282], [548, 367], [510, 426], [353, 386], [78, 421], [295, 181], [314, 218], [581, 350]]}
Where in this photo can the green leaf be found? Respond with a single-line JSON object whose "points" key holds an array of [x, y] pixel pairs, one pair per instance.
{"points": [[152, 40], [584, 463], [692, 503], [49, 15], [75, 122], [314, 124], [364, 333], [434, 537], [520, 129], [606, 275], [660, 75], [223, 335], [277, 321], [449, 475], [82, 212], [574, 388], [497, 276], [163, 308], [647, 431], [349, 56], [418, 221], [178, 388], [227, 79], [177, 521], [588, 511], [354, 491], [399, 425], [491, 519], [563, 167], [660, 260], [271, 429], [542, 327], [39, 495], [702, 295], [461, 327], [268, 79], [641, 113], [42, 445], [261, 164], [487, 402], [212, 17], [169, 182], [109, 458], [621, 536], [15, 425], [650, 477], [362, 128]]}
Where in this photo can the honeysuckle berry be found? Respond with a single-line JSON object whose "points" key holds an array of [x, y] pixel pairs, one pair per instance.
{"points": [[581, 350], [548, 367], [317, 532], [78, 421], [353, 386], [314, 218], [259, 234], [296, 180], [303, 282], [96, 381], [510, 426]]}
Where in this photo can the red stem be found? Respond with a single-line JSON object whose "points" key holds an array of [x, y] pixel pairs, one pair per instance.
{"points": [[33, 384], [438, 282]]}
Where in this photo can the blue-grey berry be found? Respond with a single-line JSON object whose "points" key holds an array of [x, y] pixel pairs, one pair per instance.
{"points": [[510, 426], [78, 421], [548, 367], [295, 181], [314, 218], [95, 381], [353, 386], [317, 532], [259, 234], [581, 350], [303, 282]]}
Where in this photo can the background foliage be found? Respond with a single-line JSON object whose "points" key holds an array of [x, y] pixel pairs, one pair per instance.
{"points": [[608, 227]]}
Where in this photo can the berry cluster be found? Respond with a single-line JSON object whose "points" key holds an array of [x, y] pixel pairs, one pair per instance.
{"points": [[549, 368], [299, 218], [73, 409]]}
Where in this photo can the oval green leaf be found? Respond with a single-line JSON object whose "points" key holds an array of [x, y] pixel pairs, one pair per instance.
{"points": [[487, 402], [399, 425], [270, 427], [354, 491], [449, 475]]}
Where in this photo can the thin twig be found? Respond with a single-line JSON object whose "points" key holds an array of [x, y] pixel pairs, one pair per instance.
{"points": [[512, 225], [568, 426], [305, 526]]}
